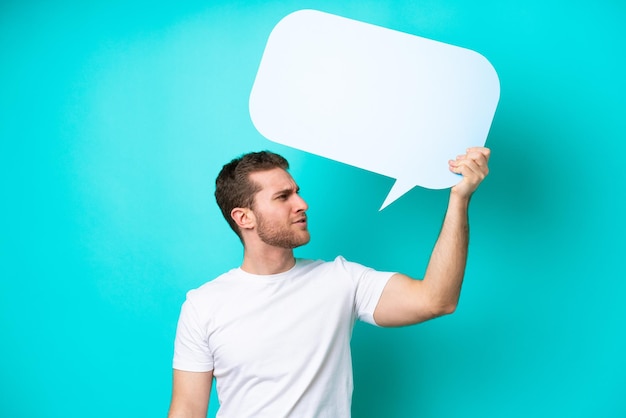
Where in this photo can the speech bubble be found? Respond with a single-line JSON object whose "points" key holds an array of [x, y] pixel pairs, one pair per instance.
{"points": [[385, 101]]}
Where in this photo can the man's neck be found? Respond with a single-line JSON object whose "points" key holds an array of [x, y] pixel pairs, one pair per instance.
{"points": [[268, 260]]}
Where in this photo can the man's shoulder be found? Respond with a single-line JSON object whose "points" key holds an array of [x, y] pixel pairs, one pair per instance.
{"points": [[341, 263], [235, 280], [339, 266], [338, 260], [308, 265], [217, 284]]}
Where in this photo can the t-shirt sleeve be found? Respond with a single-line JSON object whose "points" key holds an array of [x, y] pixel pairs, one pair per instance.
{"points": [[369, 287], [191, 346]]}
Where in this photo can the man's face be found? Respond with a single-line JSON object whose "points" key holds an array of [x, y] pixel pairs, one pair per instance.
{"points": [[279, 210]]}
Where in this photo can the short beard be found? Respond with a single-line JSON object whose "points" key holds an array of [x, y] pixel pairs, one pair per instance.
{"points": [[279, 238]]}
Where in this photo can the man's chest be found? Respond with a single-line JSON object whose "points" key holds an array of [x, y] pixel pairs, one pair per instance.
{"points": [[274, 328]]}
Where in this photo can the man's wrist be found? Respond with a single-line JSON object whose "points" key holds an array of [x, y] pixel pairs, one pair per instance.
{"points": [[458, 198]]}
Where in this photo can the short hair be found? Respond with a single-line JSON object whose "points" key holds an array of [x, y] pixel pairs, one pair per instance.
{"points": [[233, 187]]}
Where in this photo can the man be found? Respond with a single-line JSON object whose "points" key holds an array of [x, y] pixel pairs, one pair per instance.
{"points": [[275, 333]]}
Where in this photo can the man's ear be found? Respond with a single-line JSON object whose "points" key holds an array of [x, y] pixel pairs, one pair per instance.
{"points": [[243, 217]]}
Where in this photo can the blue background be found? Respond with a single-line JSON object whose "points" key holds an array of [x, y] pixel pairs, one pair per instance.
{"points": [[116, 116]]}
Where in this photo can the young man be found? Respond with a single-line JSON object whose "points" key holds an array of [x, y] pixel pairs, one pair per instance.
{"points": [[275, 332]]}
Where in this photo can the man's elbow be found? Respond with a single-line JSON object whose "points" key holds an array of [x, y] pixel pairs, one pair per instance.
{"points": [[443, 308]]}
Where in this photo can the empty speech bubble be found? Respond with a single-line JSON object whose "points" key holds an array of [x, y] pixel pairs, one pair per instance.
{"points": [[385, 101]]}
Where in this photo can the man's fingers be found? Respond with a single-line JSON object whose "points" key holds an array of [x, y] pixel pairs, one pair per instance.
{"points": [[477, 155], [482, 150], [468, 167], [473, 166]]}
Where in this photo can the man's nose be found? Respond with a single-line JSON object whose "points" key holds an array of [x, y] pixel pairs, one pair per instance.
{"points": [[301, 205]]}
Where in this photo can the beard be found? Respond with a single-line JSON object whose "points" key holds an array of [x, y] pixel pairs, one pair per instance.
{"points": [[282, 236]]}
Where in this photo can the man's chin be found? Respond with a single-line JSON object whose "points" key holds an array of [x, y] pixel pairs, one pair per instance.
{"points": [[303, 240], [287, 241]]}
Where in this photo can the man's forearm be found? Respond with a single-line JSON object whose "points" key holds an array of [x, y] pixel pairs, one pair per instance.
{"points": [[446, 268]]}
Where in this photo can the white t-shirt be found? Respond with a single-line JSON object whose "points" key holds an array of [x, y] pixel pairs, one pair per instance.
{"points": [[279, 345]]}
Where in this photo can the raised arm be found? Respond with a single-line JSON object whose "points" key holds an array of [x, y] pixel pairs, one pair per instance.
{"points": [[190, 394], [407, 301]]}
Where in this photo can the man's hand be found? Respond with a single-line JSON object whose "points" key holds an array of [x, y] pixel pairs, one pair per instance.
{"points": [[473, 166]]}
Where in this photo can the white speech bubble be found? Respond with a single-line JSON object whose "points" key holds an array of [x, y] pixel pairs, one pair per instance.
{"points": [[374, 98]]}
